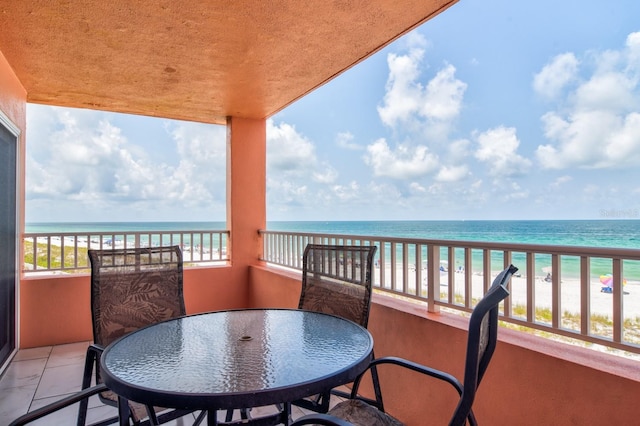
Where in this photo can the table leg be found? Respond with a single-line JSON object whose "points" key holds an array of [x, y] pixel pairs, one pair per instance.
{"points": [[212, 418], [123, 411], [286, 413]]}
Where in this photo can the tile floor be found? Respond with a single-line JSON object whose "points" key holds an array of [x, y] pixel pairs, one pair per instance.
{"points": [[39, 376]]}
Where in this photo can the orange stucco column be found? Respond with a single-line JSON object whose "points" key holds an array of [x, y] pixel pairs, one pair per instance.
{"points": [[246, 194]]}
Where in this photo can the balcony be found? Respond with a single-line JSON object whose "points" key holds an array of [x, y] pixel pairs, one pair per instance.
{"points": [[426, 323], [58, 54], [579, 309]]}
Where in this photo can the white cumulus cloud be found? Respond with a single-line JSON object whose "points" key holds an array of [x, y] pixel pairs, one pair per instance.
{"points": [[288, 150], [88, 162], [429, 108], [554, 76], [597, 123], [497, 148], [452, 173], [345, 140], [405, 162]]}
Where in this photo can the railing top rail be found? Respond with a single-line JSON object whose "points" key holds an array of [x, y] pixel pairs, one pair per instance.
{"points": [[73, 234]]}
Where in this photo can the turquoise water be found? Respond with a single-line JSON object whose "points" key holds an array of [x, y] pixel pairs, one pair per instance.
{"points": [[600, 233]]}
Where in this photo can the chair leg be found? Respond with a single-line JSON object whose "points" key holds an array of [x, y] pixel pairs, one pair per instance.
{"points": [[318, 403], [229, 415], [200, 418], [376, 387], [153, 418], [90, 361], [245, 413]]}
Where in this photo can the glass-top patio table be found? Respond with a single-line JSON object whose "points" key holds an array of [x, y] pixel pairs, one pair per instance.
{"points": [[236, 359]]}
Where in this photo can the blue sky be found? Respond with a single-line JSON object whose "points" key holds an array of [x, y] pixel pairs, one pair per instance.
{"points": [[491, 110]]}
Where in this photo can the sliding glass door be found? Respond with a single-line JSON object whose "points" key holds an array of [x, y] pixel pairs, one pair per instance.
{"points": [[8, 209]]}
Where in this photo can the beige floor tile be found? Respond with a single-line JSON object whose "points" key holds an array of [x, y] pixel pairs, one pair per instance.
{"points": [[73, 353], [33, 353], [58, 381], [14, 402], [23, 373]]}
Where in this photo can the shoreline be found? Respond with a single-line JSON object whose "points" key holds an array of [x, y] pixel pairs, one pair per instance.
{"points": [[601, 303]]}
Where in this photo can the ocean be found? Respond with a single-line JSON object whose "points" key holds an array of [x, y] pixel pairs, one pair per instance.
{"points": [[586, 233]]}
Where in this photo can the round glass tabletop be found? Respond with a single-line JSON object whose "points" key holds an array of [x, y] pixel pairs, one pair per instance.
{"points": [[229, 359]]}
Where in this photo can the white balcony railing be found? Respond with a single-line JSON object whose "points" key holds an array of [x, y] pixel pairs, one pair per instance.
{"points": [[439, 273], [562, 290], [67, 252]]}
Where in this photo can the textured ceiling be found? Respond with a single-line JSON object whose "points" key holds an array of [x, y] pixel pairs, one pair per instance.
{"points": [[198, 60]]}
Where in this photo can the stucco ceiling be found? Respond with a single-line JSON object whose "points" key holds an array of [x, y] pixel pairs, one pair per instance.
{"points": [[198, 60]]}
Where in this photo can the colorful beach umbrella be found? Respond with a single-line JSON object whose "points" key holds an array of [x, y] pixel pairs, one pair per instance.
{"points": [[607, 283]]}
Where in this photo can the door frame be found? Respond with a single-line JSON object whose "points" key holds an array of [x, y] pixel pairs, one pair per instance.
{"points": [[15, 130]]}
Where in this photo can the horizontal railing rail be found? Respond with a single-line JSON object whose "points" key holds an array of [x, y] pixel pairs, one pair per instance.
{"points": [[590, 294], [67, 251]]}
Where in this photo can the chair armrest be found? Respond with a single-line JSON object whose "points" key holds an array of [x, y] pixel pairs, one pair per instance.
{"points": [[58, 405], [372, 367], [438, 374], [96, 348], [320, 419]]}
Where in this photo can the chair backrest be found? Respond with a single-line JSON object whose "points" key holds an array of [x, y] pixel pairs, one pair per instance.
{"points": [[481, 342], [132, 288], [337, 280]]}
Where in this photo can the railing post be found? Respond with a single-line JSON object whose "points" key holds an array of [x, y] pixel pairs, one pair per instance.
{"points": [[451, 278], [618, 304], [506, 257], [433, 278], [531, 288], [585, 295], [468, 279], [555, 291]]}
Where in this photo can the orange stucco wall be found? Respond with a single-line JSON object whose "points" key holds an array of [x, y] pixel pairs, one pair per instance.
{"points": [[531, 380], [269, 290], [56, 309], [13, 97]]}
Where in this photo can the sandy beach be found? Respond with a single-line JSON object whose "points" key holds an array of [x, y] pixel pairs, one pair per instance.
{"points": [[601, 302], [196, 253]]}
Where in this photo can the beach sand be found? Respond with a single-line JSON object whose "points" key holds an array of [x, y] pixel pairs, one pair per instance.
{"points": [[195, 254], [600, 303]]}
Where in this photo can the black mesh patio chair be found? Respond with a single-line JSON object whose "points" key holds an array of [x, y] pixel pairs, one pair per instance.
{"points": [[131, 288], [481, 343], [336, 280]]}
